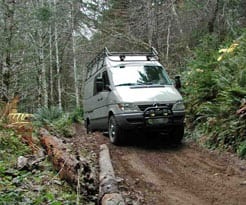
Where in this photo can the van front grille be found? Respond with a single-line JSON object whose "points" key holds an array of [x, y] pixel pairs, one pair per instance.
{"points": [[144, 107]]}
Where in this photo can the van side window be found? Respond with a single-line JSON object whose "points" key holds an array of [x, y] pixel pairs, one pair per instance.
{"points": [[101, 82], [105, 80], [97, 79]]}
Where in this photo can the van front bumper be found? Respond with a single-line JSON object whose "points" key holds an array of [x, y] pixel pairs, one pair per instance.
{"points": [[138, 120]]}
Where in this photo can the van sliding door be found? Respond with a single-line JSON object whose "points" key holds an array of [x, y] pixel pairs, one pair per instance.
{"points": [[100, 114]]}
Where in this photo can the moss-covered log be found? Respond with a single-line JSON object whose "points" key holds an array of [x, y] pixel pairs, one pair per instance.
{"points": [[74, 169]]}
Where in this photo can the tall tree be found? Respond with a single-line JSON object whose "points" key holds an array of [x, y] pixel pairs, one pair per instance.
{"points": [[76, 86], [57, 58], [40, 40], [8, 31]]}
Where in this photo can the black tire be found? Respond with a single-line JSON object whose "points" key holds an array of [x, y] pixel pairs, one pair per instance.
{"points": [[114, 131], [88, 127], [177, 134]]}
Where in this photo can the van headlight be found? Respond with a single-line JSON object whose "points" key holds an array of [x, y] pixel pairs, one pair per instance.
{"points": [[128, 107], [178, 106]]}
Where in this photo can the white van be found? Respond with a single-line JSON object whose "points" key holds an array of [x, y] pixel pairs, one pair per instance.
{"points": [[127, 91]]}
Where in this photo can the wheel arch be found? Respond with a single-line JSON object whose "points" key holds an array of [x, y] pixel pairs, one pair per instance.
{"points": [[87, 121], [110, 113]]}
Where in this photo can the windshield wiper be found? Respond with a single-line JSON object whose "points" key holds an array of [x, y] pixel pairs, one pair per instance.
{"points": [[126, 84], [140, 84], [147, 83]]}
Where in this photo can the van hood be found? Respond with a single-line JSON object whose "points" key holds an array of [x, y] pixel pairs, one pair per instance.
{"points": [[148, 94]]}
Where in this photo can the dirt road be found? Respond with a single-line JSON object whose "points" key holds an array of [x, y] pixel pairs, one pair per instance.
{"points": [[187, 175], [154, 173]]}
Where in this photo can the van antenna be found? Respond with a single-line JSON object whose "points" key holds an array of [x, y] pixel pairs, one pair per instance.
{"points": [[154, 51], [106, 51]]}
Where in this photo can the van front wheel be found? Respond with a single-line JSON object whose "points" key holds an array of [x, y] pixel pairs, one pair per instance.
{"points": [[114, 131], [177, 134]]}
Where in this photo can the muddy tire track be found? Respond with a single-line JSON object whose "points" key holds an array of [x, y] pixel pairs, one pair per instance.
{"points": [[184, 175]]}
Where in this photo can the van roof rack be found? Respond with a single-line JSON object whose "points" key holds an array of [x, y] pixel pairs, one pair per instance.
{"points": [[152, 53], [106, 53], [122, 55]]}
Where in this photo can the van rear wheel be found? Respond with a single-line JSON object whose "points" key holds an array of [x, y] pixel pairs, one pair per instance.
{"points": [[114, 131], [88, 127]]}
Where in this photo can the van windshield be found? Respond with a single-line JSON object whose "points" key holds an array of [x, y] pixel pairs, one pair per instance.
{"points": [[130, 75]]}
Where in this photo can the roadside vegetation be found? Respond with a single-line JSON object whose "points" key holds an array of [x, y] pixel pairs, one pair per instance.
{"points": [[39, 184], [58, 121], [214, 90]]}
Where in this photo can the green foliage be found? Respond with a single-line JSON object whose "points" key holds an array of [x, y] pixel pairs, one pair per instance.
{"points": [[63, 126], [242, 78], [214, 90], [39, 186], [11, 147], [200, 81], [57, 121], [77, 115], [242, 149], [25, 187], [47, 115], [43, 14]]}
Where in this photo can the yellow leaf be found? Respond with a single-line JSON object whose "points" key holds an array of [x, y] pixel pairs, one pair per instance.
{"points": [[223, 50], [230, 49], [220, 58]]}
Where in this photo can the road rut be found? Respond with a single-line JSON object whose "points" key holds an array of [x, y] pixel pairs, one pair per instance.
{"points": [[188, 174]]}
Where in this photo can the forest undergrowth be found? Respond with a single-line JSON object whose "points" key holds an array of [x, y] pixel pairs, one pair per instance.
{"points": [[40, 183], [214, 91]]}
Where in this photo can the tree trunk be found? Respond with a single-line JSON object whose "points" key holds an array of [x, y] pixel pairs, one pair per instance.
{"points": [[168, 40], [43, 76], [213, 19], [51, 67], [57, 62], [43, 67], [176, 17], [74, 57], [51, 88], [39, 84], [150, 19], [8, 32]]}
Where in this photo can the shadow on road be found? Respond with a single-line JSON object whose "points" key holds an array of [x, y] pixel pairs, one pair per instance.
{"points": [[152, 141]]}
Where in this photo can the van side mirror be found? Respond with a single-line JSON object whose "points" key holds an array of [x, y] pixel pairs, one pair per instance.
{"points": [[177, 82], [99, 85], [107, 88]]}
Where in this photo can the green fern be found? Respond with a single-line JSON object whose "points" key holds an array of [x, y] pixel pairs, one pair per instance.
{"points": [[242, 149], [213, 93], [47, 115]]}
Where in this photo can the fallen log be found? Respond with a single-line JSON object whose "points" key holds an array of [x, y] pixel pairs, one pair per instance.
{"points": [[74, 169], [108, 189], [29, 162]]}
